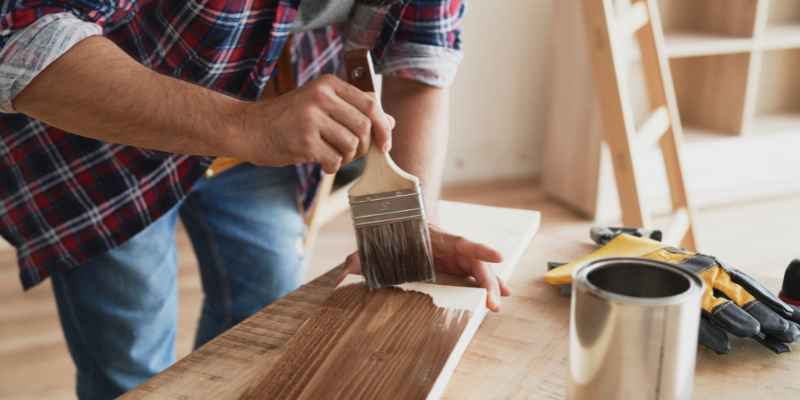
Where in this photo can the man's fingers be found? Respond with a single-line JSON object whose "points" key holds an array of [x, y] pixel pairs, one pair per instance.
{"points": [[477, 250], [369, 105], [353, 264], [485, 278], [504, 289], [327, 156], [358, 124], [452, 244], [341, 139], [392, 123]]}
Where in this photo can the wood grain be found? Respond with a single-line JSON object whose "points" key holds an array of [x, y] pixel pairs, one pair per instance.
{"points": [[723, 17], [711, 90], [237, 362], [661, 91], [572, 144], [363, 344], [780, 84], [227, 366], [606, 47]]}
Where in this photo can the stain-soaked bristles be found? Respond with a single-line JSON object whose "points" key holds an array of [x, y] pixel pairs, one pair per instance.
{"points": [[393, 239]]}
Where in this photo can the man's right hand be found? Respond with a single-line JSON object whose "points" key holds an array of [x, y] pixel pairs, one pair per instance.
{"points": [[328, 121], [96, 90]]}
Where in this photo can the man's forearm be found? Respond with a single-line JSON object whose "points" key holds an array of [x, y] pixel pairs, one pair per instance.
{"points": [[420, 136], [96, 90]]}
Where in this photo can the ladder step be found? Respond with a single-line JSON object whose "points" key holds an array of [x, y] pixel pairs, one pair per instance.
{"points": [[337, 203], [635, 18], [653, 128], [677, 227]]}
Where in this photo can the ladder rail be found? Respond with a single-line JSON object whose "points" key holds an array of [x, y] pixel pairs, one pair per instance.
{"points": [[661, 92], [606, 41], [607, 58]]}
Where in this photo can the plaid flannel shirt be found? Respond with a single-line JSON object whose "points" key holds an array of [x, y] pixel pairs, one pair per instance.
{"points": [[66, 198]]}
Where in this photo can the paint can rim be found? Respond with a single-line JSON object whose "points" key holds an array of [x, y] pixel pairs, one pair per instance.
{"points": [[581, 281]]}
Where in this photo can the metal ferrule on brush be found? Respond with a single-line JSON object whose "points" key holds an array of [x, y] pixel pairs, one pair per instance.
{"points": [[380, 208]]}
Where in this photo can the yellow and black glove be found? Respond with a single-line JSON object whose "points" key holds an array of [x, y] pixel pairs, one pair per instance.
{"points": [[733, 302]]}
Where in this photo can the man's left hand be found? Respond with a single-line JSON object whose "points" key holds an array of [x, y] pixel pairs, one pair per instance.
{"points": [[458, 256]]}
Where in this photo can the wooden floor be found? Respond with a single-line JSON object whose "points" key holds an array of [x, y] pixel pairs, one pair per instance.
{"points": [[34, 363]]}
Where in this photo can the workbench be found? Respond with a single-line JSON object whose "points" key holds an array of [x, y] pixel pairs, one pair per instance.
{"points": [[518, 353]]}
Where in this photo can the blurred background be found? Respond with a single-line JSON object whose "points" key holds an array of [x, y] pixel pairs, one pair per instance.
{"points": [[527, 132]]}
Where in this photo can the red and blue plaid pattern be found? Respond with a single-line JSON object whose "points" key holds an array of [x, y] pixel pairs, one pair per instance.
{"points": [[65, 198]]}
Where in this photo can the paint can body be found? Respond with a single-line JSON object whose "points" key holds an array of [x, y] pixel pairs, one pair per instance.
{"points": [[633, 330]]}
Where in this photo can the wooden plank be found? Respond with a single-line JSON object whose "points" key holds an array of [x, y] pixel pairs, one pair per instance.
{"points": [[314, 218], [227, 366], [709, 27], [661, 91], [754, 71], [237, 362], [731, 18], [711, 90], [780, 37], [779, 84], [387, 343], [692, 44], [571, 156], [783, 11], [679, 227], [337, 203], [634, 18], [653, 129], [616, 109]]}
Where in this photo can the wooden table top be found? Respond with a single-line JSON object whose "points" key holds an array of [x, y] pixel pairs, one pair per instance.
{"points": [[518, 353]]}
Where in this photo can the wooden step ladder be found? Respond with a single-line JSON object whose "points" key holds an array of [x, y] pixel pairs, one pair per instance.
{"points": [[609, 25]]}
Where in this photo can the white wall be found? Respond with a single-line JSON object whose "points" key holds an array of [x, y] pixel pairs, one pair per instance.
{"points": [[499, 100]]}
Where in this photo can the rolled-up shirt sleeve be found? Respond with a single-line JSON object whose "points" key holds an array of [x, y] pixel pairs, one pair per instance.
{"points": [[425, 43], [33, 36]]}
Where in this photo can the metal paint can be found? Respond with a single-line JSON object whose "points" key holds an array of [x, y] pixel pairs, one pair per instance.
{"points": [[633, 330]]}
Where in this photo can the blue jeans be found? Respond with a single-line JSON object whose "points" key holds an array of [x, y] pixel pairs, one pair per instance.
{"points": [[119, 310]]}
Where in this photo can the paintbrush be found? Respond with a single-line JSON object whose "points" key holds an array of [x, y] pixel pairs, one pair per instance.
{"points": [[386, 202]]}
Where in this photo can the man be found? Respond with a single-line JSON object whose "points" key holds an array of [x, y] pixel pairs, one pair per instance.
{"points": [[113, 110]]}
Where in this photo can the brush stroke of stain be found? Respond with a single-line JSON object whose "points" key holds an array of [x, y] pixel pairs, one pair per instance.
{"points": [[362, 344]]}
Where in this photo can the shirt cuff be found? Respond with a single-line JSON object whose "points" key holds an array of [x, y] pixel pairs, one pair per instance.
{"points": [[431, 65], [428, 64], [29, 51]]}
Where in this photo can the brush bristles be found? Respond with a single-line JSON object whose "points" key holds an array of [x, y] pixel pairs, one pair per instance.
{"points": [[395, 253]]}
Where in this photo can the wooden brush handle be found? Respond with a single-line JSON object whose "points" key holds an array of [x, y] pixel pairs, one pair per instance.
{"points": [[381, 174]]}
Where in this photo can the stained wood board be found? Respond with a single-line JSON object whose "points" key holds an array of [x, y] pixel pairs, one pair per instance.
{"points": [[377, 344], [242, 362]]}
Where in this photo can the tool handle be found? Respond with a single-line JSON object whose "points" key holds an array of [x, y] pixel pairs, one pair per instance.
{"points": [[360, 70], [381, 174]]}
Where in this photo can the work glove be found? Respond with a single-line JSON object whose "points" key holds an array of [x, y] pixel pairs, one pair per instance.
{"points": [[732, 302]]}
